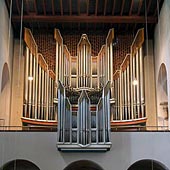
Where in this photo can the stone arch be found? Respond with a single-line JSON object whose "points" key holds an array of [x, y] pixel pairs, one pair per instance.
{"points": [[20, 164], [5, 77], [162, 96], [147, 164], [83, 165]]}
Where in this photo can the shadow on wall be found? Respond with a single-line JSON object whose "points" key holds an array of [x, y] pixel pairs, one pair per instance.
{"points": [[5, 96], [147, 164], [83, 165], [162, 96], [19, 164], [5, 77]]}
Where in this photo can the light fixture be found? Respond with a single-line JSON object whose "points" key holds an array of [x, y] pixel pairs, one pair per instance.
{"points": [[30, 78], [135, 82]]}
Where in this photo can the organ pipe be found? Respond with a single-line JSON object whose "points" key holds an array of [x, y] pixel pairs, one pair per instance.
{"points": [[39, 93], [36, 84], [128, 94], [125, 95], [30, 87], [138, 85], [26, 81], [134, 86], [34, 87], [141, 81]]}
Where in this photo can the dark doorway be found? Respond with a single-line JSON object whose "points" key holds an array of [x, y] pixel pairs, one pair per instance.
{"points": [[147, 164], [19, 164], [83, 165]]}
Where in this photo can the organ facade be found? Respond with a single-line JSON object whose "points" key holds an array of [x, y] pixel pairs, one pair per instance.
{"points": [[84, 97]]}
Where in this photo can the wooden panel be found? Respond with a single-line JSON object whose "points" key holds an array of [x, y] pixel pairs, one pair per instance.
{"points": [[125, 63], [52, 74], [39, 122], [102, 51], [30, 41], [110, 36], [42, 62], [138, 41], [128, 122], [94, 59], [116, 75], [66, 52], [58, 36]]}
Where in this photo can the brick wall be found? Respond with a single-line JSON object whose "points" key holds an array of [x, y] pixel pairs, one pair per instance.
{"points": [[46, 46]]}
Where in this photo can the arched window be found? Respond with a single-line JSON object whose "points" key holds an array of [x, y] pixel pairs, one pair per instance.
{"points": [[83, 165], [147, 164], [20, 164], [5, 76], [162, 93]]}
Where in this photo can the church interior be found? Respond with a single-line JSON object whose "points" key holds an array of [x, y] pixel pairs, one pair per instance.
{"points": [[84, 69]]}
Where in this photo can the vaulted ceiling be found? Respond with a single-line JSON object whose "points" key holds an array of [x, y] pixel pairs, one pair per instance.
{"points": [[85, 15]]}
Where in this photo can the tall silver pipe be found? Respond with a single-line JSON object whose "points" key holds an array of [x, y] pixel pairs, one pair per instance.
{"points": [[84, 70], [128, 94], [60, 62], [47, 98], [119, 99], [56, 68], [138, 85], [39, 92], [36, 88], [33, 90], [134, 86], [125, 93], [122, 94], [116, 100], [26, 81], [111, 68], [30, 86], [42, 96], [108, 64], [141, 82]]}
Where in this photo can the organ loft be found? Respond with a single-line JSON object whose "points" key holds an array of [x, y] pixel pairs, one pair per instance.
{"points": [[84, 96]]}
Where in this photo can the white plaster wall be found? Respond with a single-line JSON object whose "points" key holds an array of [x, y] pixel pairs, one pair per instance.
{"points": [[127, 148], [17, 86], [162, 51], [150, 98], [6, 51]]}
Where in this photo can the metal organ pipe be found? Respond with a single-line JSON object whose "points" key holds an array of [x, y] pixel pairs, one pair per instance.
{"points": [[141, 82], [125, 95], [128, 94], [26, 82], [30, 87], [84, 63], [34, 85], [39, 92], [138, 84], [134, 86], [42, 92]]}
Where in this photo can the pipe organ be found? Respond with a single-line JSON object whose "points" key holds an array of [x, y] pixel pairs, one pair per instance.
{"points": [[84, 63], [84, 102], [39, 86], [129, 84], [83, 95]]}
